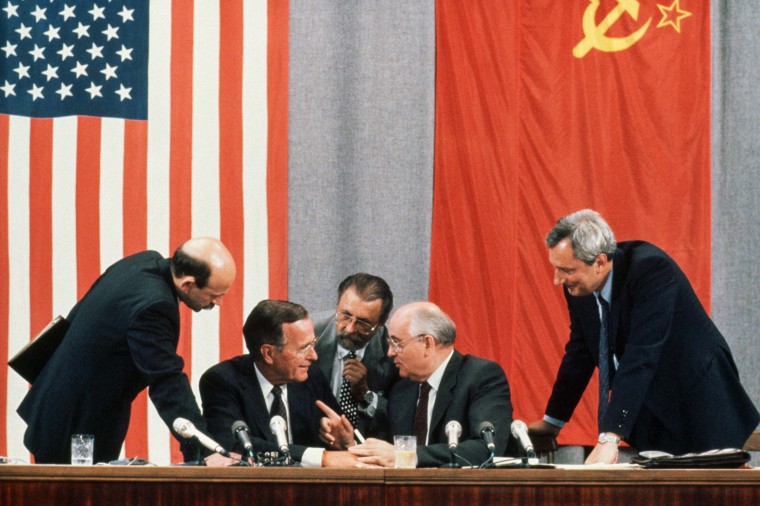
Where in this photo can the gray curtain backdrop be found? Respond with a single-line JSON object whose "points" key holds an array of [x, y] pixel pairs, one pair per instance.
{"points": [[736, 182], [360, 145], [361, 156]]}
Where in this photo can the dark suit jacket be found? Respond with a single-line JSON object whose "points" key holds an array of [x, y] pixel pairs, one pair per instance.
{"points": [[381, 372], [122, 337], [230, 392], [676, 388], [473, 390]]}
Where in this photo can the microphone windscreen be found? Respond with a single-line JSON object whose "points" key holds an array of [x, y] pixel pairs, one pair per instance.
{"points": [[183, 427], [517, 427], [485, 426], [277, 422], [240, 425], [453, 427]]}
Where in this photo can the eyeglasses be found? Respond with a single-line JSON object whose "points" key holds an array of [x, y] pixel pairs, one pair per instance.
{"points": [[362, 326], [306, 349], [398, 345]]}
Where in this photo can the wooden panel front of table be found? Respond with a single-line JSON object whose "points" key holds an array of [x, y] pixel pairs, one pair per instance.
{"points": [[22, 485]]}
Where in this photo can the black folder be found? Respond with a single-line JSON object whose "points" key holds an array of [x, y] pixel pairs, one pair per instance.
{"points": [[30, 360], [723, 458]]}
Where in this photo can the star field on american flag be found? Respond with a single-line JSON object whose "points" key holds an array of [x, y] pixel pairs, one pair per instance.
{"points": [[64, 58]]}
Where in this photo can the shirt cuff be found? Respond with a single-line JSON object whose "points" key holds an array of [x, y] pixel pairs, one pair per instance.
{"points": [[312, 457], [554, 421]]}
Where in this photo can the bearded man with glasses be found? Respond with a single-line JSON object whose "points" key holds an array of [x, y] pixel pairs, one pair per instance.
{"points": [[353, 350]]}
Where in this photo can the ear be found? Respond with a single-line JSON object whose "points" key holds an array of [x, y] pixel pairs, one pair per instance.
{"points": [[185, 283], [267, 353], [601, 262]]}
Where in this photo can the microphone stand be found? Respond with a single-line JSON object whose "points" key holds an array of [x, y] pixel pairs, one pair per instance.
{"points": [[526, 458], [453, 464], [276, 459]]}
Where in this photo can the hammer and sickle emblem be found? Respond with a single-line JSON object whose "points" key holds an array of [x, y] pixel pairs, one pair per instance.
{"points": [[596, 37]]}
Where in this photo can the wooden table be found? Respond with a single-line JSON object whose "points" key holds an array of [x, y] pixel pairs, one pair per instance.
{"points": [[22, 485]]}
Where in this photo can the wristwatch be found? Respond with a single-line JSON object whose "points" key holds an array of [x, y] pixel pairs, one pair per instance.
{"points": [[368, 397], [605, 438]]}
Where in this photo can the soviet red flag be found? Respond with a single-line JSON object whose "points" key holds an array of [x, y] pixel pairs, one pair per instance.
{"points": [[544, 108]]}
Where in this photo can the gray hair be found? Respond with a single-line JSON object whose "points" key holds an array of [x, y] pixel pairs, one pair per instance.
{"points": [[430, 319], [588, 232]]}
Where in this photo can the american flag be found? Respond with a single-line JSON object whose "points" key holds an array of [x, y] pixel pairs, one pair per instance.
{"points": [[63, 59], [128, 125]]}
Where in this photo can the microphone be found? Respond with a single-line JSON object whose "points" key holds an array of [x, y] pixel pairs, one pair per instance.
{"points": [[242, 432], [486, 431], [520, 432], [453, 431], [187, 430], [278, 428]]}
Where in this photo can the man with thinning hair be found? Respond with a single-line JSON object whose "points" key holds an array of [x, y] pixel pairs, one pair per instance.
{"points": [[667, 378], [438, 385], [122, 338]]}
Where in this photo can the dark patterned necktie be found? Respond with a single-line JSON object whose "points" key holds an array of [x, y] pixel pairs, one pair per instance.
{"points": [[278, 407], [346, 399], [420, 415], [604, 359]]}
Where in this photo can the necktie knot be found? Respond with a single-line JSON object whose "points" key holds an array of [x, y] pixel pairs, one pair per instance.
{"points": [[278, 404]]}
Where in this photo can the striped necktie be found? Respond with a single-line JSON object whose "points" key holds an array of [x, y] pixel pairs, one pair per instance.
{"points": [[604, 359], [278, 406], [420, 415]]}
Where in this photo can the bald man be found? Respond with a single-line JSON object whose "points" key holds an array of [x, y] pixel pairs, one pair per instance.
{"points": [[122, 338]]}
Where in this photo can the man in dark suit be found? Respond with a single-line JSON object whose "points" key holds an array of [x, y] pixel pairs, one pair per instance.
{"points": [[463, 388], [667, 378], [122, 338], [278, 371], [357, 327]]}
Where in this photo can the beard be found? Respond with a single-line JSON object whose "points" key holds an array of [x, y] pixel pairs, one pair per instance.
{"points": [[351, 341]]}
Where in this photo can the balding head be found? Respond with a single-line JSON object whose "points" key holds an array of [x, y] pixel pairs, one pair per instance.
{"points": [[203, 271], [421, 336], [426, 318]]}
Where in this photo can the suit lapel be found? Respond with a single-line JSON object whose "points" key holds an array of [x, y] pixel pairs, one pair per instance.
{"points": [[620, 274], [298, 403], [255, 402], [444, 393], [326, 350], [374, 354], [588, 312], [402, 418]]}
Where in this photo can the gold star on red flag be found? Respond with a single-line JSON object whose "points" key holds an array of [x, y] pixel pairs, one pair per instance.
{"points": [[672, 15]]}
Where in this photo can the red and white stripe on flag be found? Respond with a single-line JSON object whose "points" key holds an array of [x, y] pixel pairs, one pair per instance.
{"points": [[81, 192]]}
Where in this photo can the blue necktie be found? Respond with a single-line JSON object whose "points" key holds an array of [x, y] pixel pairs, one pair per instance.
{"points": [[604, 358]]}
